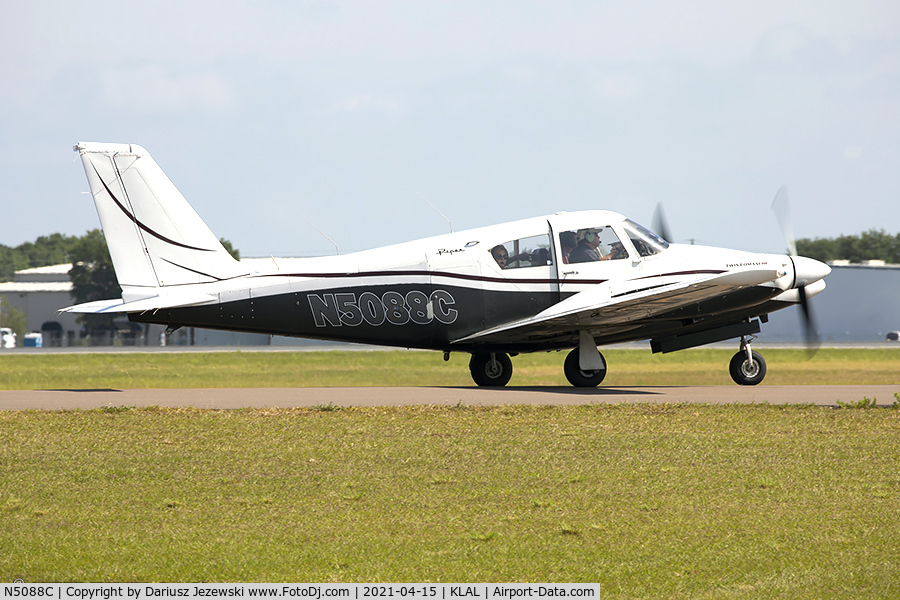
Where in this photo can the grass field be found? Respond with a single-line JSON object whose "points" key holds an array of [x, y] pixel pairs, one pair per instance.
{"points": [[650, 501], [403, 368]]}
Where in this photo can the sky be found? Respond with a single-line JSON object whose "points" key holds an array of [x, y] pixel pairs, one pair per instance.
{"points": [[281, 119]]}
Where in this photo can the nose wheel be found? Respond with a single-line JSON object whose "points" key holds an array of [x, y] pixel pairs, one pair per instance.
{"points": [[747, 367]]}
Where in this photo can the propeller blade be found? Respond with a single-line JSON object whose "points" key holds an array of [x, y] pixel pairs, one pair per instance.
{"points": [[661, 225], [782, 207], [808, 323]]}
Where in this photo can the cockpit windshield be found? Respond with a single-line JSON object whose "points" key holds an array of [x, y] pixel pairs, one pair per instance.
{"points": [[645, 241]]}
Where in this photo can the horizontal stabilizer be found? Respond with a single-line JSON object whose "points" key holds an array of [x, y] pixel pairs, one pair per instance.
{"points": [[143, 305]]}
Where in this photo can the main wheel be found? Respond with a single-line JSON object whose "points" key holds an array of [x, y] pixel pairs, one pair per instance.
{"points": [[580, 378], [747, 372], [490, 368]]}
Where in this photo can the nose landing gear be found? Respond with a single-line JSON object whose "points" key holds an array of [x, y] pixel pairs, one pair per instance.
{"points": [[747, 367]]}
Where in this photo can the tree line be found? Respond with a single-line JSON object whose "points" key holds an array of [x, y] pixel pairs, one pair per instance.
{"points": [[46, 250], [874, 244], [58, 248], [92, 274]]}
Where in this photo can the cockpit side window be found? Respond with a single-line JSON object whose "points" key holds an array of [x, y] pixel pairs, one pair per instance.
{"points": [[591, 244], [532, 251], [645, 241]]}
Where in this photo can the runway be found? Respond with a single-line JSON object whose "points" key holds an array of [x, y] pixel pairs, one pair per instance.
{"points": [[232, 398]]}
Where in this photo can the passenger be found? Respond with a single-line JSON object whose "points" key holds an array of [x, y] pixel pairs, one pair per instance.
{"points": [[500, 255], [567, 243], [540, 257]]}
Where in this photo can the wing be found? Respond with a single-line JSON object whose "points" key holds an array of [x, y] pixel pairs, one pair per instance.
{"points": [[597, 307]]}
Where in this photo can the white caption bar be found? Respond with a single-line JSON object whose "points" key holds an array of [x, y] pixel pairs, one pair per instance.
{"points": [[350, 591]]}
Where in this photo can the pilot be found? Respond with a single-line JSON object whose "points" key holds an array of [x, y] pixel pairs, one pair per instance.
{"points": [[500, 255], [586, 250]]}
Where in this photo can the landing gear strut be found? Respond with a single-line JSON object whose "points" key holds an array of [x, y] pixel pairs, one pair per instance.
{"points": [[747, 367], [490, 368]]}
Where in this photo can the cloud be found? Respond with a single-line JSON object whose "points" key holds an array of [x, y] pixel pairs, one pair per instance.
{"points": [[852, 153], [617, 87], [367, 101], [153, 89]]}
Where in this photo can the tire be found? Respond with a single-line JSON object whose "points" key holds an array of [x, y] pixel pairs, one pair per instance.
{"points": [[580, 378], [745, 372], [492, 369]]}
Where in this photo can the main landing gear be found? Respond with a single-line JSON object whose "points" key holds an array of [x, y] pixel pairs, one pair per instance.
{"points": [[747, 367], [580, 377], [494, 369], [490, 368]]}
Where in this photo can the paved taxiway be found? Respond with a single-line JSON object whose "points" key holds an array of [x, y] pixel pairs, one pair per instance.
{"points": [[227, 398]]}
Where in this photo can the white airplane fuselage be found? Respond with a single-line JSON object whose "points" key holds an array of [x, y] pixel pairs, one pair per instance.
{"points": [[568, 280], [433, 293]]}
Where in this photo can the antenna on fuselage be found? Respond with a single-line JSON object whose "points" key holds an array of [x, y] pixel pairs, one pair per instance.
{"points": [[336, 250], [437, 211]]}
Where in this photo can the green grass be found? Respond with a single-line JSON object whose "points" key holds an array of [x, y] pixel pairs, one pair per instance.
{"points": [[650, 501], [401, 368]]}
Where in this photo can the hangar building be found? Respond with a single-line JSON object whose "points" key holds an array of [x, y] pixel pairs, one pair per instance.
{"points": [[861, 303]]}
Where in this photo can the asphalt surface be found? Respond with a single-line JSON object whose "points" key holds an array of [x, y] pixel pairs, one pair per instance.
{"points": [[231, 398]]}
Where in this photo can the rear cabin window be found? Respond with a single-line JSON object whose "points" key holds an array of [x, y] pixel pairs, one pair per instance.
{"points": [[532, 251]]}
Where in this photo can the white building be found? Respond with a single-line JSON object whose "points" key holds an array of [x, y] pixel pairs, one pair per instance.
{"points": [[42, 291], [39, 293]]}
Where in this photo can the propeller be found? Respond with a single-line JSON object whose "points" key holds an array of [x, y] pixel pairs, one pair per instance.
{"points": [[661, 224], [782, 208], [808, 323]]}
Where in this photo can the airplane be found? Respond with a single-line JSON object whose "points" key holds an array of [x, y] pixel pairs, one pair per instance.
{"points": [[567, 281]]}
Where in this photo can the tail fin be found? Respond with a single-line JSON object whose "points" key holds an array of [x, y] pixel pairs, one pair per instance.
{"points": [[155, 238]]}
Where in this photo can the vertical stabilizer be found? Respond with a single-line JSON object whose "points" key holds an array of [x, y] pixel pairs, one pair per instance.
{"points": [[155, 238]]}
